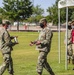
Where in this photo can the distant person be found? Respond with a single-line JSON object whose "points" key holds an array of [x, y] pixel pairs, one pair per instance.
{"points": [[25, 26], [43, 44], [6, 47]]}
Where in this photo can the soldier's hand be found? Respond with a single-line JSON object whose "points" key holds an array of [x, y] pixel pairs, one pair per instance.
{"points": [[16, 43], [16, 36], [38, 42], [31, 43]]}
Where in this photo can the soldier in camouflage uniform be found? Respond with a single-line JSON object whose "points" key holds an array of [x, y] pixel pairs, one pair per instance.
{"points": [[69, 51], [43, 44], [72, 24], [6, 48]]}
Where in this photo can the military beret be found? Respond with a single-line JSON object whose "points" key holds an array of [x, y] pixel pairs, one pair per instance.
{"points": [[43, 20]]}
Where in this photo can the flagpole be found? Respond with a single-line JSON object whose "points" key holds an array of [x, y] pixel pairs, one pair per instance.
{"points": [[59, 51], [66, 63]]}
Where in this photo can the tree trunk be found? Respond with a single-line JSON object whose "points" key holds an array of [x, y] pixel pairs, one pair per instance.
{"points": [[17, 25]]}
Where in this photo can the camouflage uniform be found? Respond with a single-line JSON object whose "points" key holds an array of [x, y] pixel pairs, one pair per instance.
{"points": [[69, 49], [73, 54], [45, 37], [6, 48]]}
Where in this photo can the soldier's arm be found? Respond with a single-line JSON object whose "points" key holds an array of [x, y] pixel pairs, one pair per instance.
{"points": [[33, 42], [49, 35], [7, 40], [12, 37]]}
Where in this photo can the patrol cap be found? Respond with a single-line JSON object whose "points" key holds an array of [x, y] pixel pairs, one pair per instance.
{"points": [[72, 23], [43, 20], [6, 23], [69, 22]]}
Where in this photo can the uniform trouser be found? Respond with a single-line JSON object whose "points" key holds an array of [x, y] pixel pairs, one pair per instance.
{"points": [[73, 48], [73, 53], [70, 51], [42, 63], [7, 64]]}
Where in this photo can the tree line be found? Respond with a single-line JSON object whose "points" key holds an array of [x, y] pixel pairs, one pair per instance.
{"points": [[24, 10]]}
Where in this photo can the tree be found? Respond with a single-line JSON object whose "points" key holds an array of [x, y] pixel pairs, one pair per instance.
{"points": [[53, 13], [37, 10], [72, 17], [37, 14], [53, 16], [17, 10]]}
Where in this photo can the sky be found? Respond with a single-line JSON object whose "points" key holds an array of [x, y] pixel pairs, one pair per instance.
{"points": [[44, 4]]}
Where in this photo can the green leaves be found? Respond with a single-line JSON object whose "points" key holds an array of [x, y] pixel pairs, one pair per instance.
{"points": [[53, 14], [17, 9]]}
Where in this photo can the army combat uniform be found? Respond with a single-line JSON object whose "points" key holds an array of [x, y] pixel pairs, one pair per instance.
{"points": [[69, 45], [45, 37], [70, 50], [6, 48]]}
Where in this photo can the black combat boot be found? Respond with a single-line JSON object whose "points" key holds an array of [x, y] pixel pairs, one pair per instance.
{"points": [[39, 73], [11, 72], [52, 73]]}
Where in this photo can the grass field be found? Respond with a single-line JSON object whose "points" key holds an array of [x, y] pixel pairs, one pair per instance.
{"points": [[25, 57]]}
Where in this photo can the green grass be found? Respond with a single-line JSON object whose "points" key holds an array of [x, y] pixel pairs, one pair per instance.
{"points": [[25, 57]]}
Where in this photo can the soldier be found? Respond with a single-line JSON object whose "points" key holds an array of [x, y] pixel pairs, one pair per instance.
{"points": [[43, 44], [69, 51], [72, 35], [6, 47]]}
